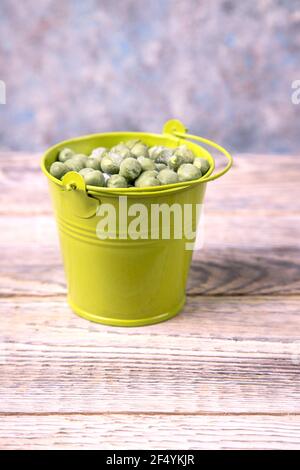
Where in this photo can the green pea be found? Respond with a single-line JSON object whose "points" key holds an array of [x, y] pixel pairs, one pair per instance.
{"points": [[122, 150], [167, 176], [125, 153], [140, 150], [65, 154], [155, 151], [145, 180], [150, 173], [111, 163], [160, 166], [94, 163], [58, 170], [202, 164], [117, 181], [119, 147], [94, 178], [186, 154], [164, 156], [175, 161], [146, 163], [188, 172], [98, 153], [132, 142], [84, 171], [130, 168], [76, 163]]}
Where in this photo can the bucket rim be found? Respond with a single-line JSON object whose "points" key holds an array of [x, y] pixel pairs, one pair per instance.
{"points": [[176, 137], [93, 190]]}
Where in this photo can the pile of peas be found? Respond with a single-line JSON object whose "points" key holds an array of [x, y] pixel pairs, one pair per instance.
{"points": [[132, 164]]}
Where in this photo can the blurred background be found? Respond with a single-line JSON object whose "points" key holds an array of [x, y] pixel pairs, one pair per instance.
{"points": [[224, 67]]}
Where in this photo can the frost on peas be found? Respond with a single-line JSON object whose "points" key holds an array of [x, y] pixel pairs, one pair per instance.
{"points": [[164, 156], [146, 163], [146, 179], [98, 153], [186, 154], [65, 154], [130, 168], [139, 150], [155, 151], [132, 142], [188, 172], [94, 178], [94, 163], [111, 163], [167, 176], [117, 181], [202, 164], [175, 161], [131, 163], [76, 163], [84, 171], [160, 166], [58, 170]]}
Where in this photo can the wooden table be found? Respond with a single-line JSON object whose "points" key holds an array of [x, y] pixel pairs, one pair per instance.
{"points": [[223, 374]]}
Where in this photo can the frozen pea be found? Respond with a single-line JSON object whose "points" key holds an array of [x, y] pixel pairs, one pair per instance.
{"points": [[119, 147], [150, 172], [106, 177], [98, 153], [121, 150], [80, 157], [175, 161], [94, 163], [146, 179], [155, 151], [140, 150], [125, 153], [160, 166], [130, 168], [84, 171], [146, 163], [117, 181], [188, 172], [164, 156], [202, 164], [186, 154], [132, 142], [65, 154], [167, 176], [111, 163], [76, 163], [94, 178], [58, 170]]}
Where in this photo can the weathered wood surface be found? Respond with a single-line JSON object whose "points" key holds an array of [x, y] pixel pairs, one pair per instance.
{"points": [[223, 374]]}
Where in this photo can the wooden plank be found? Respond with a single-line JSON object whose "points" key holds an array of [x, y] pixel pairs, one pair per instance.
{"points": [[220, 355], [220, 272], [117, 431]]}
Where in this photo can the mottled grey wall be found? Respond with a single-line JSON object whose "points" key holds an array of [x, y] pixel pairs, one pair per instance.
{"points": [[223, 67]]}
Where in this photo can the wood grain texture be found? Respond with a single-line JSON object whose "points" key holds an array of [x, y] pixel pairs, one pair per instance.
{"points": [[197, 362], [223, 374], [115, 431]]}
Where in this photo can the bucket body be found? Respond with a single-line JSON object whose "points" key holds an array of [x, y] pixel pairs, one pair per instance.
{"points": [[118, 280], [123, 281]]}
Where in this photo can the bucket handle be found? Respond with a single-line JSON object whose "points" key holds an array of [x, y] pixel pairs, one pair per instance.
{"points": [[176, 128]]}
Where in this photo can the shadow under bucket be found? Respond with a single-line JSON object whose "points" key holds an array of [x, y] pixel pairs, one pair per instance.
{"points": [[123, 272]]}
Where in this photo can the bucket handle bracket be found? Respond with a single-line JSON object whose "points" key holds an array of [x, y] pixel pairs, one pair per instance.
{"points": [[177, 129], [75, 196]]}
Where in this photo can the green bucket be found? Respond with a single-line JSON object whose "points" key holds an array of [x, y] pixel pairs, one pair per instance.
{"points": [[112, 278]]}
